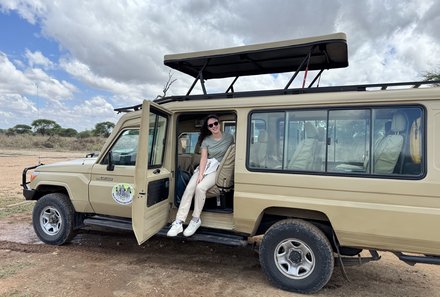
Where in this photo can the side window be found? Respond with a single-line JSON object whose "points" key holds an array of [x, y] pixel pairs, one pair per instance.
{"points": [[229, 127], [379, 141], [125, 149], [288, 140], [187, 142], [398, 143], [305, 140], [156, 140], [348, 141], [266, 140]]}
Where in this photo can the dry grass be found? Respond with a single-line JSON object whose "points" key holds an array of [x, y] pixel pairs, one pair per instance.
{"points": [[58, 143]]}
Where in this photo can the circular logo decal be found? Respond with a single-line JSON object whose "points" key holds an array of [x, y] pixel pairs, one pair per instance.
{"points": [[123, 193]]}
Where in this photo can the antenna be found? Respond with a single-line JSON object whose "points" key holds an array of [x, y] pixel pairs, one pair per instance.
{"points": [[38, 116]]}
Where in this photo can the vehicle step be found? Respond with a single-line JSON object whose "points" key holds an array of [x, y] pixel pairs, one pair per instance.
{"points": [[109, 222], [203, 234], [212, 236], [412, 260]]}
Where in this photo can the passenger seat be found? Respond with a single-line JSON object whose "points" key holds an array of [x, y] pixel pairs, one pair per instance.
{"points": [[305, 153], [388, 150], [224, 180]]}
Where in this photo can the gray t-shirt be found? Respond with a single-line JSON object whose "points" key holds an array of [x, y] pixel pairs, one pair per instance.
{"points": [[217, 148]]}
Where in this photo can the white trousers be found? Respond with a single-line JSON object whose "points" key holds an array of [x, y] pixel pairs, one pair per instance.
{"points": [[197, 190]]}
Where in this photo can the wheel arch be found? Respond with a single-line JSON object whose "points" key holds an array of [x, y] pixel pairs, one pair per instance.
{"points": [[44, 189], [271, 215], [319, 219]]}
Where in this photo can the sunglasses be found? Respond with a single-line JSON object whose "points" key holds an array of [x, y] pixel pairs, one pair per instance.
{"points": [[213, 124]]}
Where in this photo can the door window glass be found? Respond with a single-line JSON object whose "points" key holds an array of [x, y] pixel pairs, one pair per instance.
{"points": [[125, 149], [156, 140]]}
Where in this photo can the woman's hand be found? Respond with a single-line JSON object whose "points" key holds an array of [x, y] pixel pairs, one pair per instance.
{"points": [[202, 165], [199, 178]]}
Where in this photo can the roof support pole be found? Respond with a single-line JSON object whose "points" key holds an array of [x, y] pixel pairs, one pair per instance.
{"points": [[316, 78], [231, 87], [202, 83], [306, 59], [199, 76]]}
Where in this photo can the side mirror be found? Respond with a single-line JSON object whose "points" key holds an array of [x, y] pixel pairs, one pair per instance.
{"points": [[110, 166]]}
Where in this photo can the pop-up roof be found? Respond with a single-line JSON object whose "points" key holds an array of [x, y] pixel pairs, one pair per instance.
{"points": [[326, 52]]}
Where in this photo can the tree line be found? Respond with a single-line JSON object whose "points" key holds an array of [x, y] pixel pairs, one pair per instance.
{"points": [[47, 127]]}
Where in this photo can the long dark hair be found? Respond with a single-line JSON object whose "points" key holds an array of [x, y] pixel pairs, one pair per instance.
{"points": [[204, 131]]}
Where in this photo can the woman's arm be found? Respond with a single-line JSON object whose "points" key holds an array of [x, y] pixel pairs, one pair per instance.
{"points": [[202, 165]]}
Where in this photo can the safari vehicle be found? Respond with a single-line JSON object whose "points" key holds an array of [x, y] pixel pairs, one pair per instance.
{"points": [[321, 173]]}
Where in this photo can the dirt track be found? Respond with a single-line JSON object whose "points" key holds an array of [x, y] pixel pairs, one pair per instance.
{"points": [[108, 263]]}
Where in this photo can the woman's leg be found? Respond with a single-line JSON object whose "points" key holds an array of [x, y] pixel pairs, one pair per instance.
{"points": [[207, 182], [185, 203]]}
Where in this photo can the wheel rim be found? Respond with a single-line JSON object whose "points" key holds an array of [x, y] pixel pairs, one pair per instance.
{"points": [[50, 221], [294, 258]]}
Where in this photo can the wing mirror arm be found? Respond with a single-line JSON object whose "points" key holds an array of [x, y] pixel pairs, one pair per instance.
{"points": [[110, 166]]}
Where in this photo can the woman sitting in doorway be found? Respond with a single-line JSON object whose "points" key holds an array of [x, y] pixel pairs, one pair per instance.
{"points": [[213, 146]]}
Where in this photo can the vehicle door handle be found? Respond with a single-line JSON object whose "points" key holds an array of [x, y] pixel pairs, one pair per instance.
{"points": [[156, 171]]}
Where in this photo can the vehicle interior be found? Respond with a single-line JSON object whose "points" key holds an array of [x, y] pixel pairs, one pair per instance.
{"points": [[220, 197]]}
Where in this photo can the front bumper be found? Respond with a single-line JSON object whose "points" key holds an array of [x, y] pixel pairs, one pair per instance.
{"points": [[28, 193]]}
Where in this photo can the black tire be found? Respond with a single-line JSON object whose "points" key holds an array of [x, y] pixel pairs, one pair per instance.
{"points": [[53, 219], [296, 256]]}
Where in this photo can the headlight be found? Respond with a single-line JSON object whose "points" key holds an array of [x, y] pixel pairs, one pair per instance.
{"points": [[34, 175]]}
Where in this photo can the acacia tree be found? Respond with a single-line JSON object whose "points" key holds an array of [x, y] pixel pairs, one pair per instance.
{"points": [[103, 129], [432, 76], [67, 132], [22, 129], [45, 127]]}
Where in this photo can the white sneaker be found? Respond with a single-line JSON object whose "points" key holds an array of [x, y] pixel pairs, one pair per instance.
{"points": [[176, 228], [192, 227]]}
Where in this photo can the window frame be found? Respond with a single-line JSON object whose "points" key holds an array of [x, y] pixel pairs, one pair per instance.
{"points": [[153, 142], [327, 109]]}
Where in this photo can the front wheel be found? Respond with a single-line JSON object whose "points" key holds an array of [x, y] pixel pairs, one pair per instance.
{"points": [[296, 256], [53, 219]]}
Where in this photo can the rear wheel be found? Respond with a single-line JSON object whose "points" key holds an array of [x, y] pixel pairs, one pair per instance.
{"points": [[296, 256], [53, 219]]}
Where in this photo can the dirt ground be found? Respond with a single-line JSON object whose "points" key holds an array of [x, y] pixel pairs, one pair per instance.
{"points": [[109, 263]]}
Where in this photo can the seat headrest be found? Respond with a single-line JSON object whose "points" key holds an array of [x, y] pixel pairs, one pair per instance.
{"points": [[180, 146], [262, 136], [311, 131], [398, 124]]}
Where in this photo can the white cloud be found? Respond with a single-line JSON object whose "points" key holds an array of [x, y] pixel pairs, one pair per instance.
{"points": [[83, 115], [32, 81], [119, 48], [16, 109], [82, 72], [38, 59]]}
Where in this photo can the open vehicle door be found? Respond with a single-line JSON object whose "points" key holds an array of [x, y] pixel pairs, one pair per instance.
{"points": [[150, 207]]}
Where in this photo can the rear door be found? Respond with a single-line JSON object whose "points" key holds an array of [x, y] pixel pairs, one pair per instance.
{"points": [[150, 207]]}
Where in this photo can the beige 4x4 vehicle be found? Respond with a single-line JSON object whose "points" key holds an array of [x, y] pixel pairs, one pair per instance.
{"points": [[321, 172]]}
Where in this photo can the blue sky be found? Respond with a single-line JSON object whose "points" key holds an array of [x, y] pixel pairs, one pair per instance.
{"points": [[75, 61]]}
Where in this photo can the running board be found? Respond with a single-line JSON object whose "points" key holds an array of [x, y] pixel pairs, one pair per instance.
{"points": [[109, 222], [412, 260], [203, 234], [209, 235]]}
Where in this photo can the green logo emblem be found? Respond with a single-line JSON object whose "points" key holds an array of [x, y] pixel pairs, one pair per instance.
{"points": [[123, 193]]}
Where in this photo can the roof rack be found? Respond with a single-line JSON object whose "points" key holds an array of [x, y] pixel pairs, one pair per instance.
{"points": [[314, 53], [345, 88], [128, 108]]}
